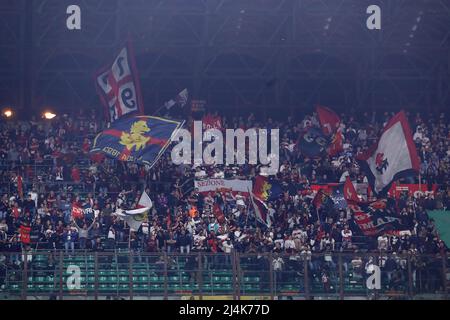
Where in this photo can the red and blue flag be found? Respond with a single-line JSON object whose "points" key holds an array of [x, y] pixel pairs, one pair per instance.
{"points": [[139, 139]]}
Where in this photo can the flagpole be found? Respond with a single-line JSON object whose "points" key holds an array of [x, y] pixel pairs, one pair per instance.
{"points": [[318, 216], [129, 238], [248, 211], [420, 182], [159, 109]]}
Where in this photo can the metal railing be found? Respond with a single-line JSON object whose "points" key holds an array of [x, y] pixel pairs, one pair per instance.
{"points": [[137, 275]]}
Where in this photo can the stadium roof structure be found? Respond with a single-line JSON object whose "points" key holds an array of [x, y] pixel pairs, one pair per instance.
{"points": [[247, 53]]}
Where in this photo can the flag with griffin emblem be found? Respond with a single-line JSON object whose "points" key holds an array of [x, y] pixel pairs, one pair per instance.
{"points": [[267, 190], [313, 143], [139, 139], [393, 156]]}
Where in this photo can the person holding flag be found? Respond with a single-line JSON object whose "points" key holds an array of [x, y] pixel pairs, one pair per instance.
{"points": [[134, 218]]}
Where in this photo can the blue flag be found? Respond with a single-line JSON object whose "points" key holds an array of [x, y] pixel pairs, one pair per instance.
{"points": [[140, 139], [267, 190], [313, 143]]}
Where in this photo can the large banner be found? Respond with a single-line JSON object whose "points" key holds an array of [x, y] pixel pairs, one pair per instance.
{"points": [[374, 220], [205, 186], [118, 86], [139, 139]]}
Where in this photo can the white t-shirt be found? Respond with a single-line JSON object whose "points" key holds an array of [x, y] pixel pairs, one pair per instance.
{"points": [[111, 235], [347, 234], [289, 244], [145, 228]]}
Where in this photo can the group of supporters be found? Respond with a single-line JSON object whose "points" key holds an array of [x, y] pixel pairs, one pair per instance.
{"points": [[46, 168]]}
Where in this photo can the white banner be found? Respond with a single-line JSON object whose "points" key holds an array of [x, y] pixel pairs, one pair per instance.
{"points": [[223, 184]]}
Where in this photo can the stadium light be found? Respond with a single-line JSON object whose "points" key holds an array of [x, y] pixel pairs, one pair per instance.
{"points": [[8, 113], [49, 115]]}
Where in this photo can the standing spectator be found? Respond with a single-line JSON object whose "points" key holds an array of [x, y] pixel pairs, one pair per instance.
{"points": [[83, 233], [111, 238], [184, 242], [346, 237], [278, 267], [69, 238]]}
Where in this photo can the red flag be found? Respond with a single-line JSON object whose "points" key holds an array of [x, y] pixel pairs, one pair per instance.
{"points": [[337, 144], [321, 199], [219, 213], [350, 193], [77, 212], [260, 189], [25, 234], [212, 122], [329, 120], [330, 123]]}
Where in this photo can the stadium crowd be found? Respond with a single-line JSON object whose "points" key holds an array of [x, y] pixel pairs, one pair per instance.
{"points": [[53, 161]]}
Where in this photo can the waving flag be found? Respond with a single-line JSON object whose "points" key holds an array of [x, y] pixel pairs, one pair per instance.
{"points": [[218, 213], [119, 87], [261, 210], [374, 219], [89, 212], [337, 144], [267, 190], [145, 201], [392, 157], [350, 193], [329, 120], [322, 199], [140, 139], [77, 212], [84, 212], [313, 143], [330, 123], [181, 99], [134, 218]]}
